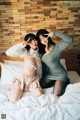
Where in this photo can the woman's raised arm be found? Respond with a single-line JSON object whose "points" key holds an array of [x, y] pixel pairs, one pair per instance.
{"points": [[67, 40], [17, 50]]}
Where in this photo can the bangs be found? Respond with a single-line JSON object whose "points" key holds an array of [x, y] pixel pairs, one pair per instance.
{"points": [[32, 38]]}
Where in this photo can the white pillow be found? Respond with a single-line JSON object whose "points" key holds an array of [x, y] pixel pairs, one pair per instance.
{"points": [[8, 72], [73, 76], [20, 63], [63, 62], [14, 62]]}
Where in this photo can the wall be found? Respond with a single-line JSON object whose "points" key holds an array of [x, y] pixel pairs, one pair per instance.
{"points": [[19, 17]]}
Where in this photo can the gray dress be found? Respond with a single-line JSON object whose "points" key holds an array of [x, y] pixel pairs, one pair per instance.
{"points": [[51, 66]]}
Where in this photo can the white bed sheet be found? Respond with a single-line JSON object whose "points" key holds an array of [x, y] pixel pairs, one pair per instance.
{"points": [[45, 107]]}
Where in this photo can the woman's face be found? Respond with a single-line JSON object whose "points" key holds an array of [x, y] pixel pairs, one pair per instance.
{"points": [[43, 40], [33, 44]]}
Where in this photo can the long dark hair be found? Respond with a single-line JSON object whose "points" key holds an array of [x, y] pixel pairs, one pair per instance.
{"points": [[32, 37], [40, 45]]}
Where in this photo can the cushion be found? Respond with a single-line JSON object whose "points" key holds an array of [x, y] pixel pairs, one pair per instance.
{"points": [[21, 63], [39, 72], [73, 76], [14, 62], [63, 62], [10, 68], [8, 72]]}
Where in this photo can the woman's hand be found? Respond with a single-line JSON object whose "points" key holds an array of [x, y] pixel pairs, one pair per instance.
{"points": [[25, 43], [49, 35]]}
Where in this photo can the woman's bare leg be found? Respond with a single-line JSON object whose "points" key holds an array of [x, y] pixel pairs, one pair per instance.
{"points": [[59, 87]]}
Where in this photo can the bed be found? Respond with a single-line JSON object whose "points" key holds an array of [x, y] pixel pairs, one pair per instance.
{"points": [[47, 106]]}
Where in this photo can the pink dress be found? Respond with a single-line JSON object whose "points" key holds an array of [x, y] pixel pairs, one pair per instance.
{"points": [[30, 77], [27, 81]]}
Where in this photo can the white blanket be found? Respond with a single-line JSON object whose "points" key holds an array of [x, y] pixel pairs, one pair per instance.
{"points": [[45, 107]]}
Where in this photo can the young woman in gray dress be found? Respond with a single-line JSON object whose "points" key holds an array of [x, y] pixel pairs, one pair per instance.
{"points": [[53, 71]]}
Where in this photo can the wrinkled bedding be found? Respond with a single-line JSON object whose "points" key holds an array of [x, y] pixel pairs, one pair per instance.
{"points": [[45, 107]]}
